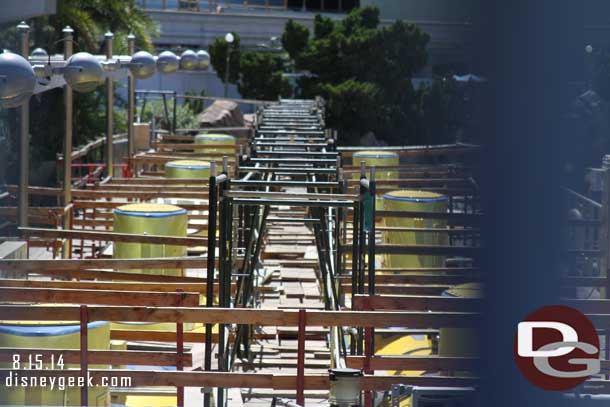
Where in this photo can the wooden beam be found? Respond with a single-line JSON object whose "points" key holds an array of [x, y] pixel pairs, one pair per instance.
{"points": [[414, 302], [422, 279], [78, 296], [428, 269], [165, 287], [168, 336], [203, 205], [245, 380], [101, 357], [184, 146], [428, 363], [154, 182], [116, 276], [112, 236], [184, 187], [432, 289], [421, 249], [117, 264], [94, 194], [375, 319]]}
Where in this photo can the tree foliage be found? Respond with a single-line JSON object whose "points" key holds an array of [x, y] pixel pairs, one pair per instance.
{"points": [[294, 39], [365, 71], [261, 76], [218, 58]]}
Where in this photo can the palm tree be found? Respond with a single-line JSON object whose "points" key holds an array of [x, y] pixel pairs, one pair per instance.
{"points": [[91, 18]]}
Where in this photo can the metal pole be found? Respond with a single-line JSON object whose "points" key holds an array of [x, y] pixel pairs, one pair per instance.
{"points": [[227, 69], [68, 105], [301, 357], [175, 113], [24, 139], [109, 110], [131, 99], [212, 205], [84, 350]]}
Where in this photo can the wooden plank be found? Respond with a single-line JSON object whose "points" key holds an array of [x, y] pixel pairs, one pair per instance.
{"points": [[427, 270], [167, 336], [424, 279], [415, 302], [80, 264], [374, 319], [115, 276], [421, 249], [140, 195], [165, 287], [428, 363], [102, 357], [112, 236], [79, 296], [432, 289], [244, 380], [201, 205], [158, 181]]}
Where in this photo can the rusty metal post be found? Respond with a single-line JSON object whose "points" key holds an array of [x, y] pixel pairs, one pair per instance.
{"points": [[209, 302], [84, 349], [180, 352], [301, 358]]}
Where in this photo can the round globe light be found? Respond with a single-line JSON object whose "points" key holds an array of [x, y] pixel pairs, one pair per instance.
{"points": [[167, 62], [188, 60], [17, 80], [39, 53], [83, 72], [203, 59], [229, 38], [146, 65]]}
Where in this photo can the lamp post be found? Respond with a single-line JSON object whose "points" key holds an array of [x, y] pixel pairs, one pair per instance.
{"points": [[229, 38], [24, 139], [68, 106], [109, 113], [131, 101]]}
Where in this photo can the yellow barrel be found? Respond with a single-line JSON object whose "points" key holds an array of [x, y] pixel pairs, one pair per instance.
{"points": [[217, 139], [151, 219], [50, 335], [187, 169], [377, 158], [462, 342], [416, 201]]}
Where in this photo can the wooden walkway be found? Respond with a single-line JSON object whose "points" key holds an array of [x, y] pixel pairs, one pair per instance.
{"points": [[290, 276]]}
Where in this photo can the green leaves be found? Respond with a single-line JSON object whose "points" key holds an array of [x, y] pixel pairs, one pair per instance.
{"points": [[294, 39], [365, 72], [218, 58], [261, 76]]}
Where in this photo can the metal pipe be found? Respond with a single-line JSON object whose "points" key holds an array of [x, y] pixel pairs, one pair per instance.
{"points": [[227, 69], [210, 272], [68, 106], [131, 99], [84, 349], [301, 357], [109, 110], [24, 138]]}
